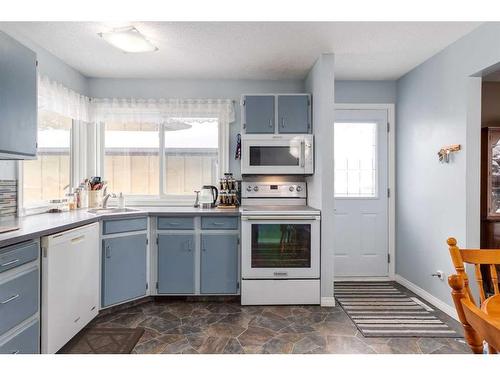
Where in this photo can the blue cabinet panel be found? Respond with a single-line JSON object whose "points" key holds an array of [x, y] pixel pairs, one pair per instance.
{"points": [[259, 114], [219, 263], [171, 222], [293, 114], [176, 263], [26, 341], [124, 225], [18, 100], [219, 222], [18, 254], [123, 268], [18, 300]]}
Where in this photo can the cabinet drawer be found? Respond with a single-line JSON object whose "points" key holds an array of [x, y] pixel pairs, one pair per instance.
{"points": [[25, 342], [176, 222], [18, 300], [124, 225], [219, 222], [16, 255]]}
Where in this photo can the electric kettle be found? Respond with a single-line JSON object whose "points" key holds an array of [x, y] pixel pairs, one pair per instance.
{"points": [[208, 196]]}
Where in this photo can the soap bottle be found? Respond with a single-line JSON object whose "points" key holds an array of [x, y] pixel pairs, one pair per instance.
{"points": [[121, 201]]}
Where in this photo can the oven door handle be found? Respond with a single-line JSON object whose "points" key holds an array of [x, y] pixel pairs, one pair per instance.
{"points": [[280, 217]]}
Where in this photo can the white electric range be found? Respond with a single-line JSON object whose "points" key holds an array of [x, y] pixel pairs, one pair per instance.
{"points": [[280, 244]]}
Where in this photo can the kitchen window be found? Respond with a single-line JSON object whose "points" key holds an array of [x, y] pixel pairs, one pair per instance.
{"points": [[49, 175], [133, 164]]}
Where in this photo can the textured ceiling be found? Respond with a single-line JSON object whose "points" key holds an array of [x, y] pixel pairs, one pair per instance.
{"points": [[247, 50]]}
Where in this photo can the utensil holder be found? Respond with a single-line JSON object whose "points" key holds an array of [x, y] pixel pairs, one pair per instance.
{"points": [[95, 198]]}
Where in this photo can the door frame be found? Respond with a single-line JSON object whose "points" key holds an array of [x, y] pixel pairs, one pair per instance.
{"points": [[391, 183]]}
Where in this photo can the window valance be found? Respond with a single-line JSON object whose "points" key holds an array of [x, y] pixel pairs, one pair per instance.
{"points": [[55, 97], [160, 110]]}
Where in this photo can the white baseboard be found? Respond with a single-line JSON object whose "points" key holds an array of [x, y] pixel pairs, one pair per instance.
{"points": [[441, 305], [363, 278], [327, 301]]}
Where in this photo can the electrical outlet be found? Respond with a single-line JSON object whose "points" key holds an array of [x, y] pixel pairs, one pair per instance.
{"points": [[439, 274]]}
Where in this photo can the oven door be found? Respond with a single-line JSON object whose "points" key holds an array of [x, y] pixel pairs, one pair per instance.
{"points": [[277, 155], [280, 247]]}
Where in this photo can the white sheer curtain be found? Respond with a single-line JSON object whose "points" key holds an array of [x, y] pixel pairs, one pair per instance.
{"points": [[161, 110], [55, 97]]}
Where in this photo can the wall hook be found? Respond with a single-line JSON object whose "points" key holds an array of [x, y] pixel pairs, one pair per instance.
{"points": [[444, 152]]}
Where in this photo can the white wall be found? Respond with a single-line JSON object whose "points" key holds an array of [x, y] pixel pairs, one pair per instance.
{"points": [[436, 106], [169, 88], [320, 83], [365, 92]]}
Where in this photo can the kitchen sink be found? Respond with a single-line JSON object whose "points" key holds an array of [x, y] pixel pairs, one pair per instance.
{"points": [[102, 211]]}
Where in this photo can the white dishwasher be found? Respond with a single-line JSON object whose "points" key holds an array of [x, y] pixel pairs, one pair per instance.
{"points": [[70, 284]]}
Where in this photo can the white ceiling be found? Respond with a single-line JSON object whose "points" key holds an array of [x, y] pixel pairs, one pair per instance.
{"points": [[247, 50]]}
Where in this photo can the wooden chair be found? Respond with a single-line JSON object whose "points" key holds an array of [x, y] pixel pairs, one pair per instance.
{"points": [[461, 292], [478, 324]]}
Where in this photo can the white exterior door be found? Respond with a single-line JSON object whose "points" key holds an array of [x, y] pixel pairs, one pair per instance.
{"points": [[361, 241]]}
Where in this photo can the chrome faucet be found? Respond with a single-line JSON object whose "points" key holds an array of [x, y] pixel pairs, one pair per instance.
{"points": [[105, 199]]}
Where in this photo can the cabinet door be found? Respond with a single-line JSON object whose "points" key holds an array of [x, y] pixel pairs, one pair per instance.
{"points": [[176, 263], [293, 114], [124, 268], [258, 114], [219, 263], [18, 100]]}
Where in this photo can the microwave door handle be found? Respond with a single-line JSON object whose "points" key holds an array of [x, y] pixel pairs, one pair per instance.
{"points": [[302, 154]]}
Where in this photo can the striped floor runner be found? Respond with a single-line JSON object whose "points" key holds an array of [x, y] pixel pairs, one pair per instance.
{"points": [[379, 309]]}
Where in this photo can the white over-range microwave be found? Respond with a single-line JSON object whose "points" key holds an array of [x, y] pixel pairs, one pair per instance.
{"points": [[277, 154]]}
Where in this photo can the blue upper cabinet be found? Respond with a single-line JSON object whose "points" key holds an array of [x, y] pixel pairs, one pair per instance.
{"points": [[123, 268], [258, 114], [294, 114], [219, 263], [176, 263], [18, 100]]}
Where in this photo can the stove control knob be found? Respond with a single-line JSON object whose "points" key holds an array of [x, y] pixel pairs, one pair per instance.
{"points": [[249, 188], [291, 188], [255, 188], [299, 188]]}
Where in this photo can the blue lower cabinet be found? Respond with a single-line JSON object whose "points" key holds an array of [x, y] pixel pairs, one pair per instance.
{"points": [[123, 268], [219, 263], [26, 341], [176, 263]]}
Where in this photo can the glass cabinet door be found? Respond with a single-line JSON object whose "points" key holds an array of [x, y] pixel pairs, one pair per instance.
{"points": [[494, 172], [281, 246]]}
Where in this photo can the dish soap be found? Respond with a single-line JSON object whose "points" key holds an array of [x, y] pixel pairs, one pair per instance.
{"points": [[121, 201]]}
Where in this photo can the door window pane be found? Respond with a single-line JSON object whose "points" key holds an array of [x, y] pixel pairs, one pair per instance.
{"points": [[281, 245], [46, 177], [191, 154], [355, 159], [131, 158]]}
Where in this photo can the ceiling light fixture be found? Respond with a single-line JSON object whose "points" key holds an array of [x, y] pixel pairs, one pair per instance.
{"points": [[128, 39]]}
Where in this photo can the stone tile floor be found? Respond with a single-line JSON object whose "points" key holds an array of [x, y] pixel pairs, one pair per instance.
{"points": [[173, 326]]}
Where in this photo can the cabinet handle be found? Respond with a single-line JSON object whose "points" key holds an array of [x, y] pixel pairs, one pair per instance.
{"points": [[10, 299], [270, 123], [188, 246], [217, 223], [9, 263], [78, 239], [108, 251], [15, 352], [282, 122], [174, 224]]}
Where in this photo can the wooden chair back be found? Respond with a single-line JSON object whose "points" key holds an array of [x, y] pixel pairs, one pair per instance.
{"points": [[477, 257]]}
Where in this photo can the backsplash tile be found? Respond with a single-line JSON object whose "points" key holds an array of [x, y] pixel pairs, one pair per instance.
{"points": [[8, 198]]}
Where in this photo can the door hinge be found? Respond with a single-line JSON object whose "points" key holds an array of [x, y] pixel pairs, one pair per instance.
{"points": [[238, 285], [388, 258], [388, 192], [157, 240], [147, 241], [388, 127], [157, 285], [238, 240]]}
